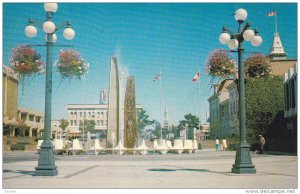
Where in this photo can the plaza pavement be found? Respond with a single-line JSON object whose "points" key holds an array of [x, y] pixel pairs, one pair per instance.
{"points": [[204, 169]]}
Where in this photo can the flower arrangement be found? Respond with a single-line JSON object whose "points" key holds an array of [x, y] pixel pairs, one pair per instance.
{"points": [[71, 64], [25, 61], [258, 65], [219, 64]]}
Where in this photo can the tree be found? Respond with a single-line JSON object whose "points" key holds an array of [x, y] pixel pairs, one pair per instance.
{"points": [[192, 122], [63, 124], [87, 126], [157, 127], [143, 121], [264, 106]]}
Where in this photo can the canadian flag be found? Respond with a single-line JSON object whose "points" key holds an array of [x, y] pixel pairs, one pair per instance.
{"points": [[196, 77], [273, 13]]}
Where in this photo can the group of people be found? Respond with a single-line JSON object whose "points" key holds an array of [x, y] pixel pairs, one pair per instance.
{"points": [[221, 145]]}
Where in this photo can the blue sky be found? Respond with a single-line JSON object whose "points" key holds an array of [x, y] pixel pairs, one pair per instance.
{"points": [[173, 37]]}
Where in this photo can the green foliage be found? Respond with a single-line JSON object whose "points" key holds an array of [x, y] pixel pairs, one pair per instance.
{"points": [[191, 121], [157, 127], [143, 121], [18, 146], [87, 125], [264, 101], [63, 124]]}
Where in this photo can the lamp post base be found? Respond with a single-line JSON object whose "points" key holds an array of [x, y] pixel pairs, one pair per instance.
{"points": [[243, 163], [46, 164]]}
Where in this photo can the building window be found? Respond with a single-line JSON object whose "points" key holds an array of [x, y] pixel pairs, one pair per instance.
{"points": [[98, 123], [80, 123], [293, 102], [93, 114], [89, 114], [75, 123], [37, 119], [71, 122], [80, 114], [101, 122], [23, 116], [98, 114], [287, 96], [31, 117]]}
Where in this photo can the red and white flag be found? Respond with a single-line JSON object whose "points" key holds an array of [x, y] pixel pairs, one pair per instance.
{"points": [[273, 13], [196, 77], [156, 78]]}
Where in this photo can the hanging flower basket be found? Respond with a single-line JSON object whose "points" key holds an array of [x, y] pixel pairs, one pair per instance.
{"points": [[258, 65], [71, 64], [26, 62], [219, 64]]}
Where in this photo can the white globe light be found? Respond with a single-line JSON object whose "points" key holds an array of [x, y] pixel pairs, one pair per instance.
{"points": [[49, 27], [248, 35], [240, 15], [224, 38], [30, 31], [51, 7], [256, 41], [54, 38], [69, 33], [233, 44]]}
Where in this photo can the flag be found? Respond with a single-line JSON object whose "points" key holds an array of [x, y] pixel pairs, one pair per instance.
{"points": [[156, 77], [196, 77], [273, 13]]}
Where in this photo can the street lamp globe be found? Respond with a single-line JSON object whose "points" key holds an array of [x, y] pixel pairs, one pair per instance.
{"points": [[233, 44], [224, 38], [69, 33], [240, 15], [248, 35], [256, 41], [30, 31], [49, 27], [50, 7]]}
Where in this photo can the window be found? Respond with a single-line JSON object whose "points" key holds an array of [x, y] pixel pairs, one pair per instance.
{"points": [[98, 123], [31, 117], [80, 114], [89, 114], [75, 123], [98, 114], [293, 101], [80, 123], [287, 96], [71, 123], [101, 122], [37, 119]]}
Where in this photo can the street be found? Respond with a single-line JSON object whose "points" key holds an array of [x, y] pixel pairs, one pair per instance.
{"points": [[204, 169]]}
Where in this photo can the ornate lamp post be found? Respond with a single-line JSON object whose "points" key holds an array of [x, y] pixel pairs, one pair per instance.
{"points": [[243, 163], [46, 164]]}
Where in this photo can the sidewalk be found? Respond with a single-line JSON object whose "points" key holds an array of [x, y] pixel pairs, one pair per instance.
{"points": [[204, 169]]}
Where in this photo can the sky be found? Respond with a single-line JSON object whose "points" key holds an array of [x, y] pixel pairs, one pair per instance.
{"points": [[174, 38]]}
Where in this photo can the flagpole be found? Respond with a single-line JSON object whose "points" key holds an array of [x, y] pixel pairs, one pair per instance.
{"points": [[276, 22], [199, 97], [160, 86]]}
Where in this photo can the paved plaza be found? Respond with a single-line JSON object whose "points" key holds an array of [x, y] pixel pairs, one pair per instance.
{"points": [[204, 169]]}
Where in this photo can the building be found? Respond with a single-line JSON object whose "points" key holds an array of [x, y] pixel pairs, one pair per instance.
{"points": [[96, 112], [290, 94], [219, 110], [10, 82], [57, 131], [29, 123]]}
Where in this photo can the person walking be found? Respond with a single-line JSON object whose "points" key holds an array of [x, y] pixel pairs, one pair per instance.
{"points": [[224, 144], [262, 142], [217, 144]]}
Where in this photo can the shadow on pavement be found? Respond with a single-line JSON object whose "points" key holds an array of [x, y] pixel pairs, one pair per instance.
{"points": [[19, 172]]}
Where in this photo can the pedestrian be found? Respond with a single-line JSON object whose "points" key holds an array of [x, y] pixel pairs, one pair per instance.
{"points": [[224, 143], [217, 144], [262, 142]]}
